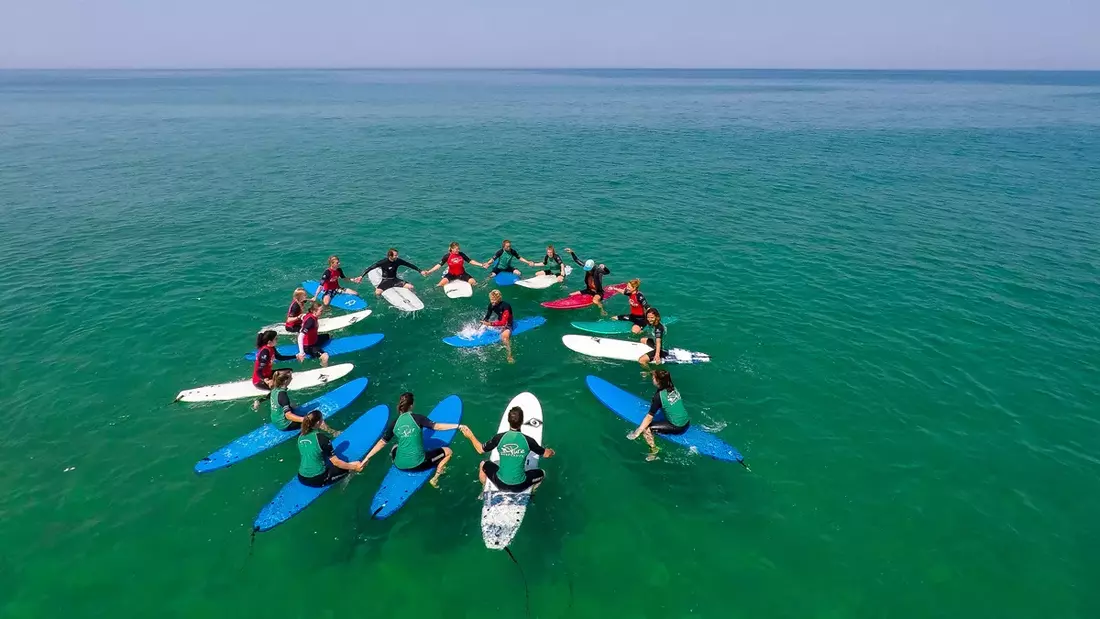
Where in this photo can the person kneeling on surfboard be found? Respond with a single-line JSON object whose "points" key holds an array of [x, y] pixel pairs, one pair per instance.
{"points": [[638, 306], [504, 257], [294, 313], [593, 279], [511, 474], [552, 256], [282, 411], [388, 266], [658, 351], [505, 320], [263, 370], [666, 413], [310, 342], [319, 465], [456, 261], [409, 453], [330, 282]]}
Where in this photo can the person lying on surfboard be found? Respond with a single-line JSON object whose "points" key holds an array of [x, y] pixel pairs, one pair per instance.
{"points": [[283, 416], [504, 259], [311, 343], [666, 413], [658, 352], [263, 370], [294, 313], [409, 453], [319, 466], [511, 473], [388, 266], [456, 261], [552, 256], [505, 320], [593, 279], [638, 306], [330, 282]]}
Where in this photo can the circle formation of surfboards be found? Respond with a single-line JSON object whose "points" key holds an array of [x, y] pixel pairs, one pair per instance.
{"points": [[502, 512], [400, 297]]}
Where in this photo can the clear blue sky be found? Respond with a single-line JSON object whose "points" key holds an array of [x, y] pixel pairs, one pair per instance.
{"points": [[890, 34]]}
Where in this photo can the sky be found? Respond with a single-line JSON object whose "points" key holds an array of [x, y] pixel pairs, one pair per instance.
{"points": [[836, 34]]}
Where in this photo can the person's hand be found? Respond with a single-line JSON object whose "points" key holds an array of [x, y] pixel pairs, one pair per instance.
{"points": [[301, 356], [336, 433], [424, 272], [359, 466], [568, 251], [549, 453], [633, 434], [485, 322], [656, 361], [357, 280]]}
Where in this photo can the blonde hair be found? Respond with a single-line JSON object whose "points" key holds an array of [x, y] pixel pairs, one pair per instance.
{"points": [[299, 294], [635, 283], [495, 296]]}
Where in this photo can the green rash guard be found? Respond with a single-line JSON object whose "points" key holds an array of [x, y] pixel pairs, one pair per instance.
{"points": [[673, 406], [410, 442], [513, 452], [504, 260], [278, 416], [313, 458]]}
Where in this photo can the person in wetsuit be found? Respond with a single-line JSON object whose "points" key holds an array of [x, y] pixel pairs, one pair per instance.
{"points": [[283, 416], [319, 466], [666, 415], [330, 282], [409, 453], [658, 351], [638, 306], [505, 259], [456, 261], [294, 313], [593, 278], [549, 260], [505, 320], [511, 473], [388, 266], [263, 368], [311, 343]]}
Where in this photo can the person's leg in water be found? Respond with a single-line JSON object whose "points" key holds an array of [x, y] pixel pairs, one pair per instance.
{"points": [[506, 339], [481, 478], [434, 481], [536, 477], [648, 436]]}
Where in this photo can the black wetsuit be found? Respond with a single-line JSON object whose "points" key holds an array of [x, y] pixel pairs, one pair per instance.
{"points": [[659, 331], [533, 476], [389, 272], [557, 259], [593, 280], [504, 314]]}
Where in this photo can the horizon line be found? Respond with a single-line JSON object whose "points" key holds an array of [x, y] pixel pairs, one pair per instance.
{"points": [[545, 68]]}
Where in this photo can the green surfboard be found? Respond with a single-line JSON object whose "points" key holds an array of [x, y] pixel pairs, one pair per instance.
{"points": [[613, 327]]}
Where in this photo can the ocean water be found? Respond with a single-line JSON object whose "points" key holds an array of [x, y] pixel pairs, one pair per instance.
{"points": [[896, 274]]}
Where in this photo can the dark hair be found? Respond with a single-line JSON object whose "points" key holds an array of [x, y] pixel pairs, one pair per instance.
{"points": [[311, 419], [656, 314], [664, 380], [453, 245], [391, 253], [405, 402], [505, 241], [263, 337], [282, 379], [515, 417]]}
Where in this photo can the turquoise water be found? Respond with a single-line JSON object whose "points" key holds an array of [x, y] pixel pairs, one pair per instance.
{"points": [[897, 276]]}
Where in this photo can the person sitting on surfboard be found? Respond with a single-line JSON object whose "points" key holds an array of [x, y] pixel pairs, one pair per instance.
{"points": [[330, 282], [552, 256], [310, 342], [511, 473], [456, 261], [656, 343], [638, 306], [283, 416], [263, 370], [294, 313], [388, 266], [504, 259], [319, 466], [593, 278], [666, 413], [505, 320], [409, 453]]}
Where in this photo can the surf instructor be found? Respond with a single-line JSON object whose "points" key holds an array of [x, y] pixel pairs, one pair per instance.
{"points": [[593, 278], [511, 473], [666, 415], [388, 266], [658, 351], [456, 260], [409, 453]]}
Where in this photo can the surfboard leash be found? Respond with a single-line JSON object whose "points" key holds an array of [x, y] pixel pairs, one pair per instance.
{"points": [[526, 589]]}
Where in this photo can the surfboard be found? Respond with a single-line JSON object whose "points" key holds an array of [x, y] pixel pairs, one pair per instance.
{"points": [[538, 282], [324, 325], [397, 486], [616, 327], [458, 289], [633, 409], [626, 351], [400, 297], [267, 436], [352, 444], [502, 511], [342, 301], [245, 388], [578, 300], [335, 346], [491, 335], [505, 279]]}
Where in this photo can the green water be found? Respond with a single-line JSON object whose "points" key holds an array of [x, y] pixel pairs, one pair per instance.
{"points": [[897, 276]]}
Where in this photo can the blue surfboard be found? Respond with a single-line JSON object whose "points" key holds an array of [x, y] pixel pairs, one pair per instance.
{"points": [[267, 436], [505, 279], [399, 485], [337, 346], [491, 335], [352, 444], [348, 302], [633, 409]]}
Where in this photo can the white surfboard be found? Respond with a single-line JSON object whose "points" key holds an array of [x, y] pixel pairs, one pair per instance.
{"points": [[458, 289], [245, 388], [325, 325], [502, 512], [539, 281], [623, 350], [400, 297]]}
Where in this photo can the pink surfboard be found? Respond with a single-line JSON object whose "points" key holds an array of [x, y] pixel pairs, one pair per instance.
{"points": [[578, 300]]}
